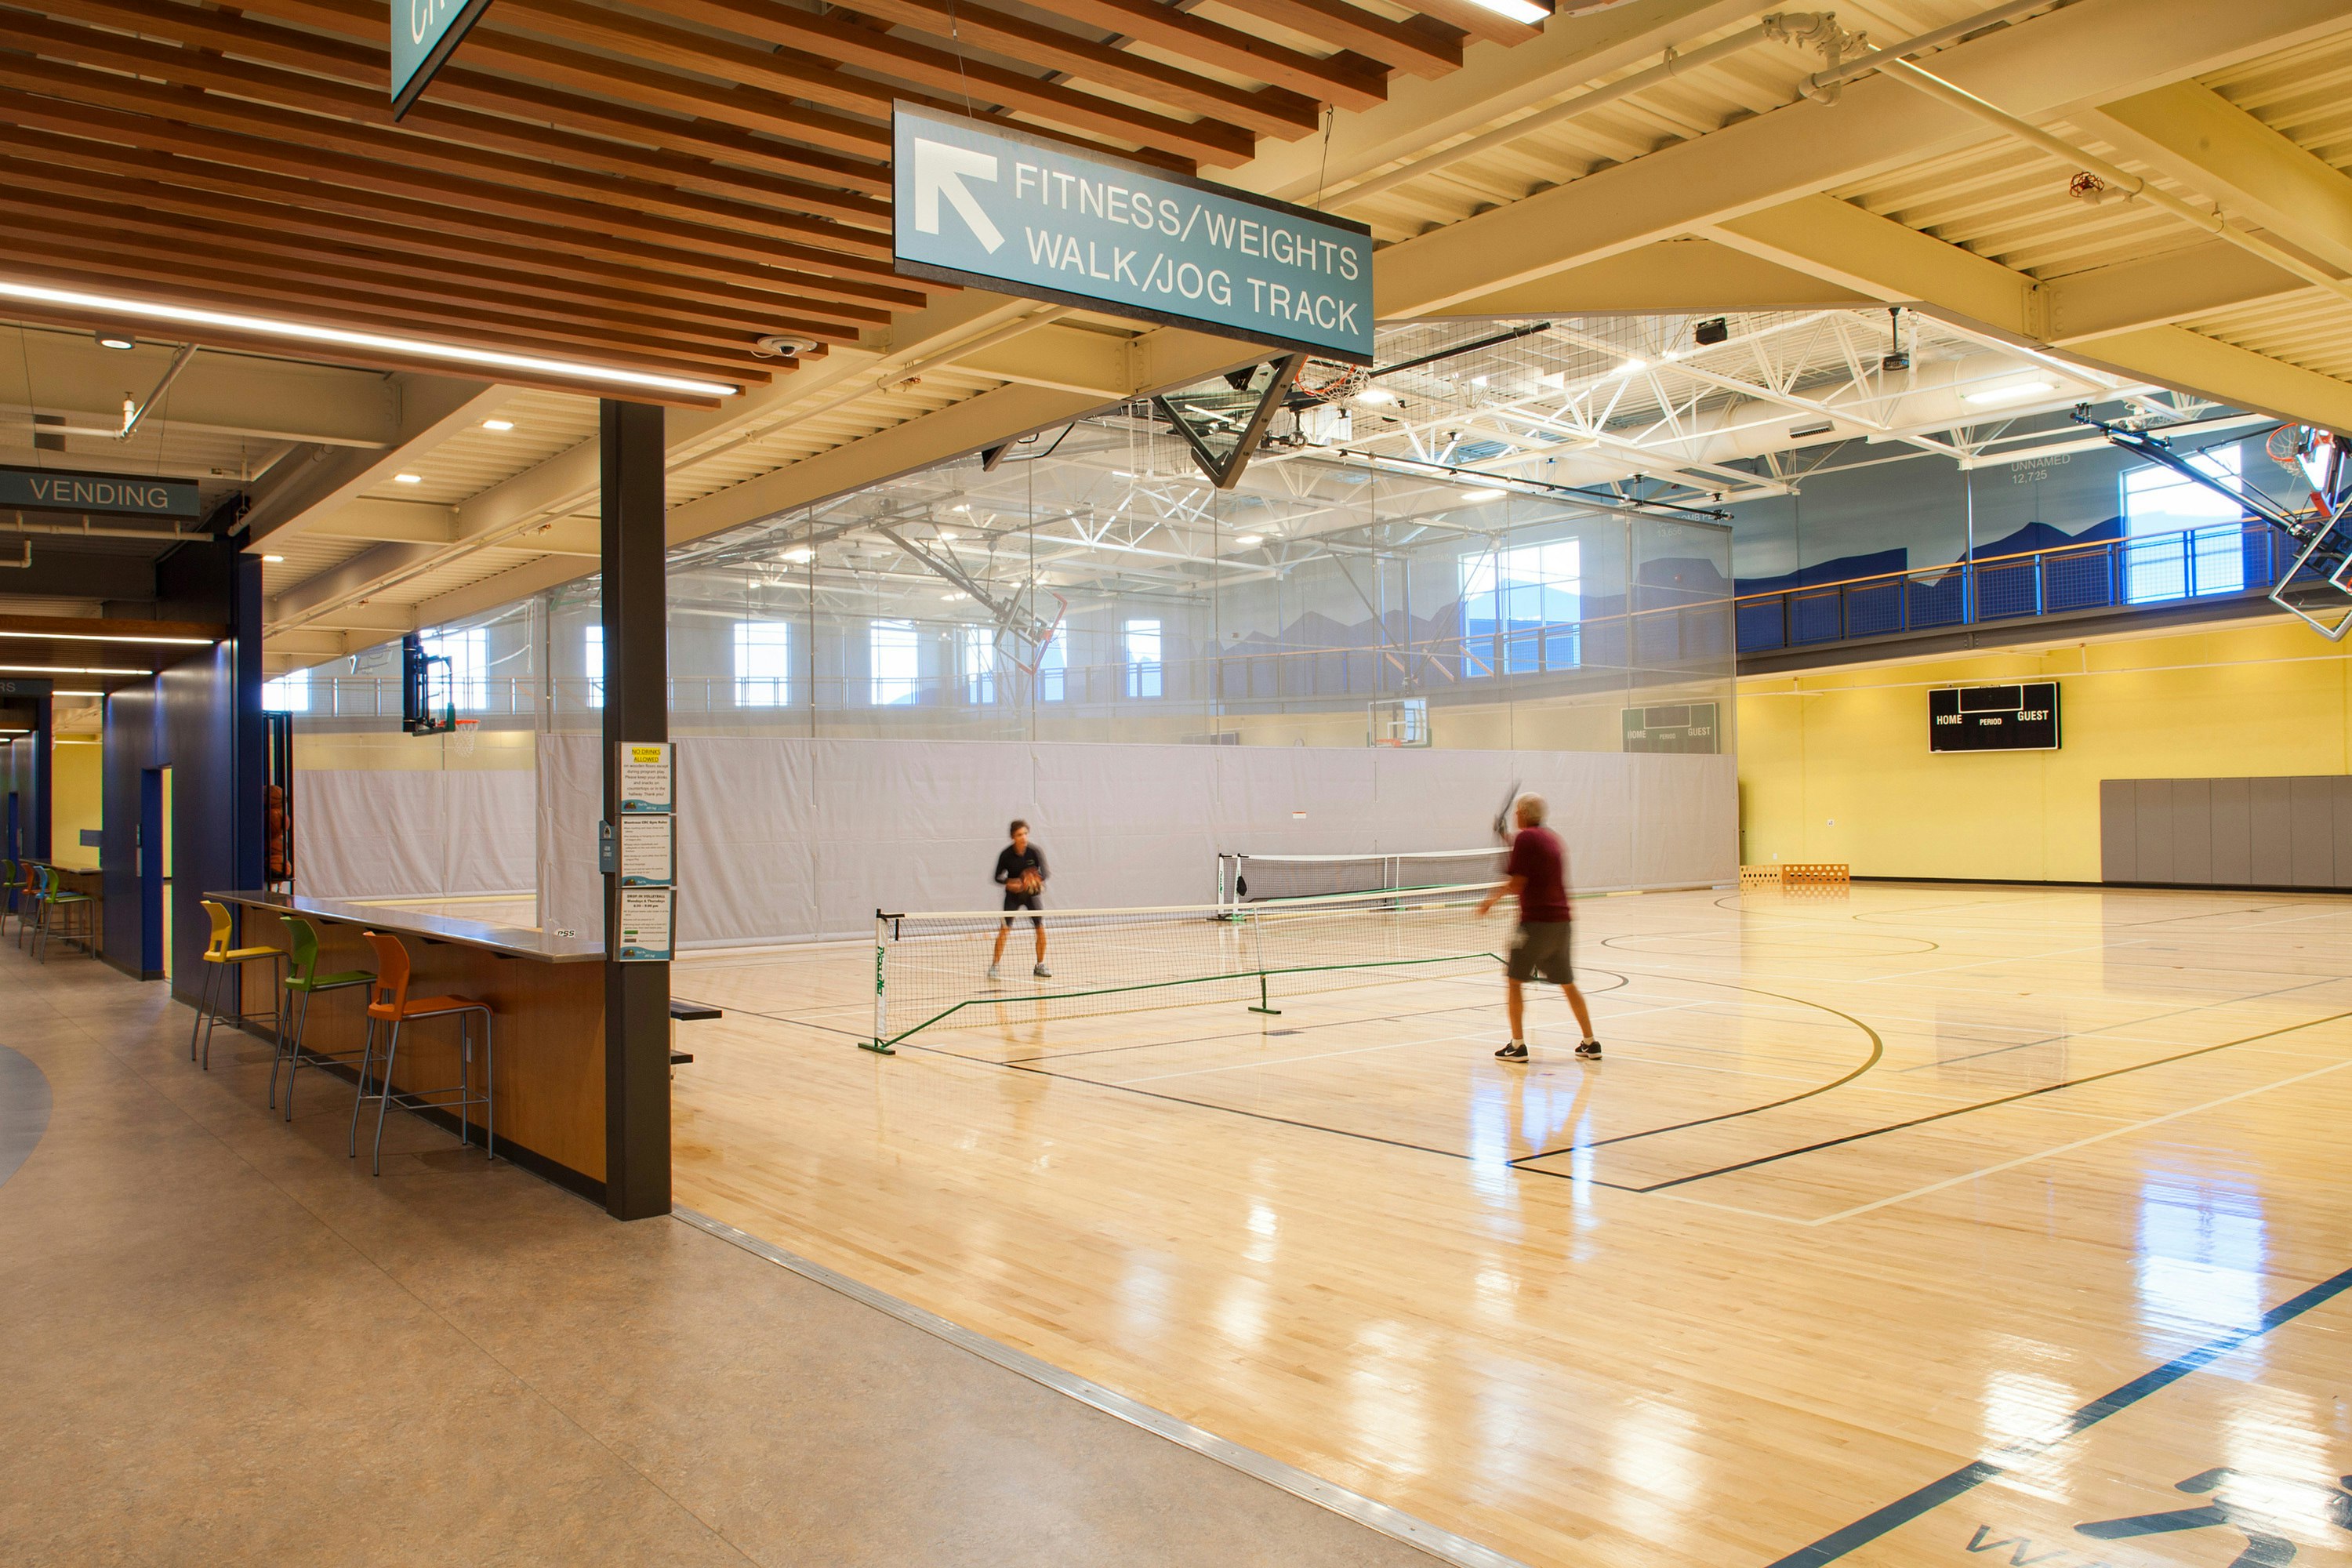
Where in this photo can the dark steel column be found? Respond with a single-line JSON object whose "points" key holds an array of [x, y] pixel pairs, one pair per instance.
{"points": [[44, 775], [636, 709]]}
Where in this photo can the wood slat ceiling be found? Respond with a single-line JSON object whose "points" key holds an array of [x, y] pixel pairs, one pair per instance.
{"points": [[648, 187]]}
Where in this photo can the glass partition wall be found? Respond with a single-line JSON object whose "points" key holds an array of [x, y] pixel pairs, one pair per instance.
{"points": [[1092, 585]]}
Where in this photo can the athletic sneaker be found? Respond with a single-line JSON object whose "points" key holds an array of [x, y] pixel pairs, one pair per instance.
{"points": [[1590, 1051], [995, 972], [1042, 972], [1516, 1051]]}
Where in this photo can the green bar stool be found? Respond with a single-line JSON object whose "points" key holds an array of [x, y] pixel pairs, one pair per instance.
{"points": [[304, 980], [79, 910]]}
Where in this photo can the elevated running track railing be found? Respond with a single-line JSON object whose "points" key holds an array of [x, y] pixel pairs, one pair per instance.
{"points": [[2226, 560]]}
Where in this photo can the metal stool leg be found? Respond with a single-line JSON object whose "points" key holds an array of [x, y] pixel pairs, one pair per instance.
{"points": [[384, 1100], [203, 1000], [490, 1089], [294, 1050], [367, 1057]]}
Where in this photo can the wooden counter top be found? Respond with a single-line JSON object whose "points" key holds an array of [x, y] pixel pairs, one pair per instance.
{"points": [[509, 942]]}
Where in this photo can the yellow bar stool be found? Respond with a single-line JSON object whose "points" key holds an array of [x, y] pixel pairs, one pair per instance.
{"points": [[218, 958]]}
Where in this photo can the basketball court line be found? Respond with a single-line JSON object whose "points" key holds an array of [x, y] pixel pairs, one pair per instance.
{"points": [[1989, 1104], [2012, 1457]]}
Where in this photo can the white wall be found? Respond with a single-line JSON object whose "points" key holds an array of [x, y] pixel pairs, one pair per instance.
{"points": [[413, 833], [794, 839]]}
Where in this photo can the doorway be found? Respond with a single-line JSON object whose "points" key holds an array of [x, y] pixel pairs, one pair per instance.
{"points": [[155, 872]]}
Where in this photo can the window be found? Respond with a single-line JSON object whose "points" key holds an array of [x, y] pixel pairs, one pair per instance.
{"points": [[763, 664], [1522, 607], [1052, 667], [592, 658], [1142, 658], [2182, 538], [897, 667], [468, 653], [979, 664], [289, 693]]}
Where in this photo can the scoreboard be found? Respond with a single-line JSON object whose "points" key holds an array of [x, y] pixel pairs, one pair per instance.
{"points": [[1994, 718], [1683, 727]]}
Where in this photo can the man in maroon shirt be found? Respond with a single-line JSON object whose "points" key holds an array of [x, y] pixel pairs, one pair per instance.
{"points": [[1537, 873]]}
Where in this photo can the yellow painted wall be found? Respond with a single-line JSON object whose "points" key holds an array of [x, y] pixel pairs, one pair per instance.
{"points": [[1835, 765], [75, 780]]}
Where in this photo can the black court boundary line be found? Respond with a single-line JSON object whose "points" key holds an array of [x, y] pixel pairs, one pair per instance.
{"points": [[1881, 1521], [1987, 1104], [2127, 1024], [1877, 1053], [1384, 1518], [1519, 1163]]}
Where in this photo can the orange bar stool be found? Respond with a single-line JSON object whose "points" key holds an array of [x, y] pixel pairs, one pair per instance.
{"points": [[219, 959], [390, 1004], [28, 902]]}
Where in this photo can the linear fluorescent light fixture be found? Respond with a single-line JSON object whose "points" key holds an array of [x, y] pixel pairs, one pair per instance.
{"points": [[109, 636], [340, 337], [1483, 495], [1517, 10], [68, 669], [2015, 393]]}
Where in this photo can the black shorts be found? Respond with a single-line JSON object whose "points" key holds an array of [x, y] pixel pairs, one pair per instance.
{"points": [[1539, 951], [1032, 902]]}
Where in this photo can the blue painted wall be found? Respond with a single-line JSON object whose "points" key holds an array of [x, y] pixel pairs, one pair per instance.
{"points": [[200, 718]]}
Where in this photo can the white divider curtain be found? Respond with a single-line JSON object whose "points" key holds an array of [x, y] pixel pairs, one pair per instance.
{"points": [[784, 839], [414, 833]]}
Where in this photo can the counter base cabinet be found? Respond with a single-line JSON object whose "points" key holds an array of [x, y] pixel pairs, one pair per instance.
{"points": [[549, 1029]]}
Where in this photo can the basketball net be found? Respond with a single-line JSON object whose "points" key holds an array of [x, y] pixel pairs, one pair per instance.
{"points": [[461, 737]]}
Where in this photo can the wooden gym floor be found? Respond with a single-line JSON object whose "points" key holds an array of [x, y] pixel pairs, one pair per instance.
{"points": [[1908, 1226]]}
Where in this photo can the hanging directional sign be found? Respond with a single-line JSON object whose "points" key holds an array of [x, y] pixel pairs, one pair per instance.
{"points": [[425, 34], [59, 489], [976, 203]]}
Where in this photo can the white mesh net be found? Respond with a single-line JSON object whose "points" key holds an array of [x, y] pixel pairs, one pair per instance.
{"points": [[1275, 878], [932, 971]]}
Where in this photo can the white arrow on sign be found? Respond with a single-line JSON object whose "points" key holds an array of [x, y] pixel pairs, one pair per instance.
{"points": [[939, 171]]}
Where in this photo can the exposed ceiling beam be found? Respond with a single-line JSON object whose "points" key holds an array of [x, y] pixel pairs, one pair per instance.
{"points": [[2198, 137], [1670, 277], [219, 394], [432, 409], [2096, 49], [2111, 319]]}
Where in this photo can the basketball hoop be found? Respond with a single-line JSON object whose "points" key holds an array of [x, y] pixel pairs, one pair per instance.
{"points": [[461, 736]]}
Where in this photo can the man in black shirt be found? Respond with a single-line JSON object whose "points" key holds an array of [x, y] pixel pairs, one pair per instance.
{"points": [[1021, 872]]}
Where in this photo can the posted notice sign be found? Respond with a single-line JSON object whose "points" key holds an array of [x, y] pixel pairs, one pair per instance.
{"points": [[974, 203], [648, 782], [642, 922]]}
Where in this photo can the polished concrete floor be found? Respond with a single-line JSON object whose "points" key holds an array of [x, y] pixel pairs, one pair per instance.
{"points": [[224, 1343]]}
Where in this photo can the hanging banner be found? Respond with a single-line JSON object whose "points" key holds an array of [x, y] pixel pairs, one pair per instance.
{"points": [[425, 33], [976, 203]]}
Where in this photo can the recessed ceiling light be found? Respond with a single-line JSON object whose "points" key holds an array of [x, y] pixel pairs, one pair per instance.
{"points": [[1631, 365], [1249, 538], [1376, 395], [947, 534], [408, 478], [77, 693], [1482, 495], [2011, 394], [960, 506], [803, 553], [1477, 381], [498, 423], [274, 560], [1555, 381], [117, 341]]}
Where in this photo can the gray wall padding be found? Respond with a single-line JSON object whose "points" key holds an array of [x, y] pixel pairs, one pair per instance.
{"points": [[784, 839], [2229, 833], [361, 833]]}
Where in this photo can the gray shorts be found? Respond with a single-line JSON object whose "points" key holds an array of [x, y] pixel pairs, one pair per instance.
{"points": [[1539, 951]]}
